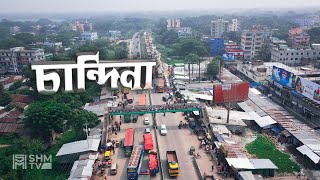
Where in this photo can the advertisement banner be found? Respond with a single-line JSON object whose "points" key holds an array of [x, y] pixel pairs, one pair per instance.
{"points": [[282, 76], [228, 57], [308, 88]]}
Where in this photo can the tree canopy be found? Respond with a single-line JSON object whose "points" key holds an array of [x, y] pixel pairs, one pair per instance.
{"points": [[314, 34], [189, 45], [265, 52], [4, 96], [213, 69], [43, 117]]}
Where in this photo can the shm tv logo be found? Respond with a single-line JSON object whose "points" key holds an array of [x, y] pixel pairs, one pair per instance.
{"points": [[31, 161]]}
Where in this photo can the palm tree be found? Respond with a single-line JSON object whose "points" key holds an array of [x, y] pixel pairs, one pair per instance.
{"points": [[191, 59]]}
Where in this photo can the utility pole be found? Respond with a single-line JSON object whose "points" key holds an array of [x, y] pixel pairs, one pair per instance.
{"points": [[87, 130], [228, 115]]}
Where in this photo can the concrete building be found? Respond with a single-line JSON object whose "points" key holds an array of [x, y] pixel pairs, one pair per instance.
{"points": [[234, 25], [91, 36], [184, 32], [14, 59], [299, 37], [218, 27], [251, 42], [234, 49], [295, 57], [173, 23], [216, 46]]}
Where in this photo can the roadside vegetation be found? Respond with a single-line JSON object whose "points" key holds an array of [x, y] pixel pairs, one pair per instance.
{"points": [[264, 148]]}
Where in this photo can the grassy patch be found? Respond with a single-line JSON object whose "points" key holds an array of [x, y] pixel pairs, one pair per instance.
{"points": [[264, 148]]}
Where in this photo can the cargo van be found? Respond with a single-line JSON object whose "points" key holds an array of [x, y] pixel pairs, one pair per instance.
{"points": [[114, 169]]}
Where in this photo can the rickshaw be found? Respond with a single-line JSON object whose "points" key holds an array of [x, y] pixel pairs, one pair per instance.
{"points": [[107, 155], [192, 150]]}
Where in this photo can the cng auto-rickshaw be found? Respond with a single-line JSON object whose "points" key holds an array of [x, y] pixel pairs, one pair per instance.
{"points": [[107, 155]]}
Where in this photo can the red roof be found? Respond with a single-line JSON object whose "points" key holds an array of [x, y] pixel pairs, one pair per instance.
{"points": [[2, 111], [9, 128], [21, 98], [153, 163], [13, 79], [234, 50], [14, 113], [8, 120], [148, 141], [129, 137]]}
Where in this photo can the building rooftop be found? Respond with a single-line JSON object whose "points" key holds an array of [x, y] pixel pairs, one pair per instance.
{"points": [[79, 147], [219, 116]]}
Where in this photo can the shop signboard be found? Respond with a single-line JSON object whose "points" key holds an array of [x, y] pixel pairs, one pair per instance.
{"points": [[308, 89], [283, 76]]}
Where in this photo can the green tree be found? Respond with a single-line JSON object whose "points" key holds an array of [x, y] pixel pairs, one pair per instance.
{"points": [[82, 117], [265, 52], [120, 52], [43, 117], [15, 85], [189, 45], [5, 98], [71, 100], [213, 69], [191, 59], [314, 34]]}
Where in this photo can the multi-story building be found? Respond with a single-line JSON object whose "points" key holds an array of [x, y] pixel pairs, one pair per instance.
{"points": [[298, 37], [184, 32], [89, 36], [216, 46], [218, 27], [234, 49], [234, 25], [251, 42], [295, 57], [173, 23], [14, 59]]}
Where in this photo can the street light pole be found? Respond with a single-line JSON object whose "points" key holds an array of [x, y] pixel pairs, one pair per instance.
{"points": [[87, 130]]}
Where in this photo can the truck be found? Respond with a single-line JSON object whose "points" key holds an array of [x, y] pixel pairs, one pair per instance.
{"points": [[173, 165]]}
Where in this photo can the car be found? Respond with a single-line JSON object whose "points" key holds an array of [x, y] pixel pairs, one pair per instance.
{"points": [[146, 121], [147, 130], [163, 130]]}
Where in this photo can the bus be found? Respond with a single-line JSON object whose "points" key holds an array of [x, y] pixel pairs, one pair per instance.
{"points": [[133, 168], [148, 142], [160, 87], [128, 142], [142, 99]]}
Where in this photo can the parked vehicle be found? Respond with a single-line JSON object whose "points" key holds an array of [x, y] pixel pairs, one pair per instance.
{"points": [[173, 165], [163, 130], [147, 130], [114, 169], [192, 123], [134, 118]]}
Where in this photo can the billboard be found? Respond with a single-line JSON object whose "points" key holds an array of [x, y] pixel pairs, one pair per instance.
{"points": [[308, 89], [230, 92], [282, 76], [228, 57]]}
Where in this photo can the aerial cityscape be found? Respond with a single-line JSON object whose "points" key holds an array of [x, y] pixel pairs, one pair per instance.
{"points": [[188, 90]]}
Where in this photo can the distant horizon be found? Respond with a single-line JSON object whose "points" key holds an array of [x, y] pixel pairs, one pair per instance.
{"points": [[98, 6]]}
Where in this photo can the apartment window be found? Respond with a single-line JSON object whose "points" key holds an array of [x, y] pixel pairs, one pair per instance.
{"points": [[301, 53], [280, 54], [297, 53], [280, 59], [3, 54], [314, 53], [296, 58], [26, 54], [307, 53], [291, 58], [287, 54], [292, 54]]}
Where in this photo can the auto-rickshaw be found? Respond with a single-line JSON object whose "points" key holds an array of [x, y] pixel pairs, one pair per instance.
{"points": [[107, 155], [192, 150]]}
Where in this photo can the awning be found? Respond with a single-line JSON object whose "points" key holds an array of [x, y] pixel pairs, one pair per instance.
{"points": [[265, 121], [240, 163], [308, 152]]}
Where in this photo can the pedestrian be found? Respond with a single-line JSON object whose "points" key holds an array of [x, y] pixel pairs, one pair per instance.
{"points": [[120, 123], [212, 168], [115, 133], [119, 128]]}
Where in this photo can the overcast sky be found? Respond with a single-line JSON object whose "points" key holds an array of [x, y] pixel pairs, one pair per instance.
{"points": [[34, 6]]}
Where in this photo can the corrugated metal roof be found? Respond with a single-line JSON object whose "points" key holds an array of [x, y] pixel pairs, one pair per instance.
{"points": [[79, 146], [263, 164], [308, 152]]}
